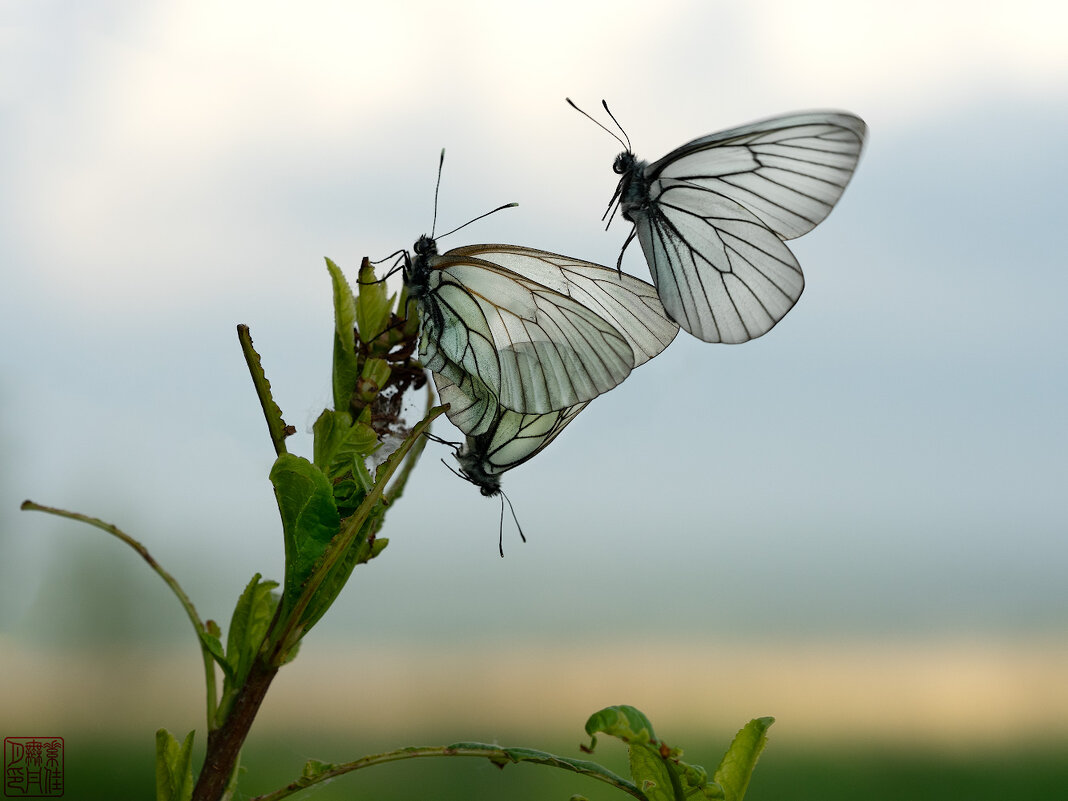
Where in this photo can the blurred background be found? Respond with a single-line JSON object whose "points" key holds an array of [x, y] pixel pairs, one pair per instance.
{"points": [[856, 523]]}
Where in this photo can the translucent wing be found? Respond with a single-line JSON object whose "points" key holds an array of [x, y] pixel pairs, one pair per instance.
{"points": [[787, 171], [509, 439], [542, 332], [712, 215], [631, 305]]}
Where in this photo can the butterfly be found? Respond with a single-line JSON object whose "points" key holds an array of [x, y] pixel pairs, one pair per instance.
{"points": [[506, 441], [541, 332], [713, 215], [499, 437]]}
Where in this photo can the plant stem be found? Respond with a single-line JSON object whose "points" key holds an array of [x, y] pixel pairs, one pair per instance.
{"points": [[172, 582], [224, 743], [495, 753]]}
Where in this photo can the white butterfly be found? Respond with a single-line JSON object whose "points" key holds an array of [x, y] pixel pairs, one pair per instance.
{"points": [[712, 216], [509, 439], [540, 331]]}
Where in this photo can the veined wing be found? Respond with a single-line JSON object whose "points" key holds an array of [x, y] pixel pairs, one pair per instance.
{"points": [[789, 171], [538, 350], [628, 303], [721, 274], [510, 439]]}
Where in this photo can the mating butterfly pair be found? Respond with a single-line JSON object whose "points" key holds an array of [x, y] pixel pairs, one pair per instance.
{"points": [[521, 340]]}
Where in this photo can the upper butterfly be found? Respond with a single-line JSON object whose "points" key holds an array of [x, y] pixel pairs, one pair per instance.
{"points": [[712, 216], [542, 332]]}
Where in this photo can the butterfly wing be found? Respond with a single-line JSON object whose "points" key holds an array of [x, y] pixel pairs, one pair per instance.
{"points": [[712, 215], [509, 439], [529, 334], [631, 305]]}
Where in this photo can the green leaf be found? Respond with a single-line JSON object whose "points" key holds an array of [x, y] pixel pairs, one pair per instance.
{"points": [[248, 626], [376, 372], [174, 767], [373, 306], [346, 368], [625, 722], [214, 646], [651, 773], [656, 767], [736, 767], [309, 518], [276, 426], [362, 550], [344, 308], [339, 443]]}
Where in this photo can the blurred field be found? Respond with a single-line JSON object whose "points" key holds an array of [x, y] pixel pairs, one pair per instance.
{"points": [[858, 720]]}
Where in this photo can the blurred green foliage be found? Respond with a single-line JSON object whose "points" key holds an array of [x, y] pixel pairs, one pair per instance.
{"points": [[100, 769]]}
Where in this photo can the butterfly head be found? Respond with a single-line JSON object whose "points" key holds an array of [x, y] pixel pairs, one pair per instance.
{"points": [[624, 163], [472, 469], [417, 270], [426, 246]]}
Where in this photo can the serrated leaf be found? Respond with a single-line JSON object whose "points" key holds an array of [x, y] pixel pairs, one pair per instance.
{"points": [[174, 767], [373, 305], [736, 767], [309, 518], [339, 443], [275, 424], [344, 308], [346, 368]]}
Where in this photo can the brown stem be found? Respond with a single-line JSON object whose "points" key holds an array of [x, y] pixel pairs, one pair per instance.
{"points": [[224, 743]]}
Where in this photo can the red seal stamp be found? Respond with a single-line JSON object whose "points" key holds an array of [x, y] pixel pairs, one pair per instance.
{"points": [[33, 767]]}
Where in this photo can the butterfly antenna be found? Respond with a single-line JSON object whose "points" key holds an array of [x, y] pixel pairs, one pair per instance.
{"points": [[500, 530], [621, 130], [437, 186], [599, 124], [479, 217], [516, 519]]}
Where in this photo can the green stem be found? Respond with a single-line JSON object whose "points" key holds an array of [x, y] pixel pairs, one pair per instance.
{"points": [[187, 604], [394, 491], [496, 754]]}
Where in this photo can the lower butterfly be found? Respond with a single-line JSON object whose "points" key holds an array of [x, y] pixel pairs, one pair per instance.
{"points": [[506, 440], [713, 215]]}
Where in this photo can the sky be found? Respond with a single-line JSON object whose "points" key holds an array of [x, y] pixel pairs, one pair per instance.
{"points": [[889, 460]]}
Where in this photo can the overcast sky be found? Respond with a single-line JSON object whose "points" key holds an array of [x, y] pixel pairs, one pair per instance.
{"points": [[890, 458]]}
